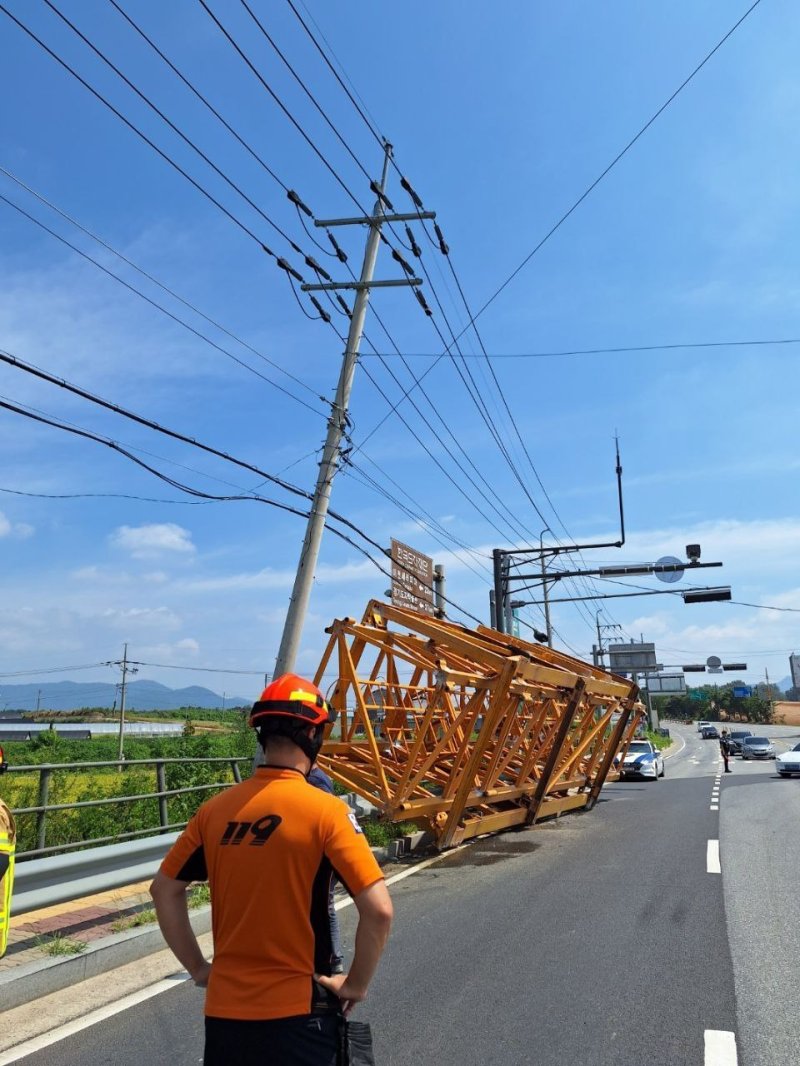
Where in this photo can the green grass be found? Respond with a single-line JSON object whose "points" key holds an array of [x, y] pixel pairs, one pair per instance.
{"points": [[660, 742], [144, 917], [380, 834], [57, 944], [199, 896]]}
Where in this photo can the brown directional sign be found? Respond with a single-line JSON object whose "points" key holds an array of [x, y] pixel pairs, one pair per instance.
{"points": [[412, 578]]}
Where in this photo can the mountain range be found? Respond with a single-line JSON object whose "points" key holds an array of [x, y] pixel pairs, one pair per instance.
{"points": [[139, 696]]}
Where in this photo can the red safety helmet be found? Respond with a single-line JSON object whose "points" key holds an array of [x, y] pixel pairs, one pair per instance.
{"points": [[292, 697]]}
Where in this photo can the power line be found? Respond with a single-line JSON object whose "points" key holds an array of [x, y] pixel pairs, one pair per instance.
{"points": [[187, 140], [248, 148], [325, 162], [678, 592], [164, 288], [618, 350], [159, 307], [236, 221], [613, 163], [116, 447], [335, 73], [306, 90], [52, 670], [100, 495], [288, 114]]}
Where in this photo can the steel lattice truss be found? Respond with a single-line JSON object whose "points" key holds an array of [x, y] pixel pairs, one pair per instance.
{"points": [[468, 731]]}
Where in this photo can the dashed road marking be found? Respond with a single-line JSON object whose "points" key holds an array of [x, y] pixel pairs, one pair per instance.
{"points": [[720, 1048], [712, 862], [714, 807]]}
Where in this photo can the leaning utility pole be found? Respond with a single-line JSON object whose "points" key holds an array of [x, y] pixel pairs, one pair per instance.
{"points": [[301, 592]]}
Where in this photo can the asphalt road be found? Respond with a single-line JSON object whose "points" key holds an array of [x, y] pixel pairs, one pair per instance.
{"points": [[596, 939]]}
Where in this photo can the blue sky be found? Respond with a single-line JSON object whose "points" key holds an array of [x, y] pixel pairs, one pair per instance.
{"points": [[500, 116]]}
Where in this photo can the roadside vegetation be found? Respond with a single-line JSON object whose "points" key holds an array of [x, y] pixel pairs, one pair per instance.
{"points": [[718, 703], [75, 786], [57, 944], [660, 742]]}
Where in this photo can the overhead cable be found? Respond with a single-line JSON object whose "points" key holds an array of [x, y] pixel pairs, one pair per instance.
{"points": [[161, 308]]}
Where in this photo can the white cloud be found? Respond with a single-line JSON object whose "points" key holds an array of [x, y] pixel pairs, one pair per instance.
{"points": [[178, 652], [144, 542], [142, 618], [283, 579], [15, 529]]}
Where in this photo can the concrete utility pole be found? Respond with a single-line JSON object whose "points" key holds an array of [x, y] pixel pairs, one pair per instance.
{"points": [[124, 665], [306, 568]]}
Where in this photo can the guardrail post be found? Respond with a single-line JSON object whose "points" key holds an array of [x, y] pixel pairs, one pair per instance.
{"points": [[44, 795], [161, 788], [237, 774]]}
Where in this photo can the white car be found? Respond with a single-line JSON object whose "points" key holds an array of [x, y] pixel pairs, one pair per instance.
{"points": [[701, 726], [789, 762], [642, 759]]}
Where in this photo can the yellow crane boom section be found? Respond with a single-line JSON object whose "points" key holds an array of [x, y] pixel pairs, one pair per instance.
{"points": [[468, 731]]}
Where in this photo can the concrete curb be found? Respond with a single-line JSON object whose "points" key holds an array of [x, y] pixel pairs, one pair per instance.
{"points": [[39, 978]]}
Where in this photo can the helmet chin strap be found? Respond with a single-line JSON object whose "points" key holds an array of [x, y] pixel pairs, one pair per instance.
{"points": [[309, 745]]}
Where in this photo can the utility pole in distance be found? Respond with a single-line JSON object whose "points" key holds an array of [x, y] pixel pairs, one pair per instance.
{"points": [[306, 567], [126, 669]]}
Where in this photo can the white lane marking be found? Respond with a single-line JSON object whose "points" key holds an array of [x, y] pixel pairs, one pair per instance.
{"points": [[100, 1015], [670, 753], [36, 1043], [712, 861], [714, 807], [720, 1048]]}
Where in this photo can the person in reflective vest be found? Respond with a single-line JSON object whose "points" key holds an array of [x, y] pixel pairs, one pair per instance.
{"points": [[8, 837]]}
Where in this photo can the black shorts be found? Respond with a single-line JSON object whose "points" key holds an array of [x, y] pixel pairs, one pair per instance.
{"points": [[304, 1040]]}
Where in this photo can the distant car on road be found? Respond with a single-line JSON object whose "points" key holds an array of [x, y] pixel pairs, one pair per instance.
{"points": [[735, 739], [702, 725], [642, 759], [788, 763], [710, 733], [757, 748]]}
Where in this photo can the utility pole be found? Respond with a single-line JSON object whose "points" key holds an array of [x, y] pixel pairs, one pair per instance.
{"points": [[306, 568], [38, 700], [547, 625], [124, 664]]}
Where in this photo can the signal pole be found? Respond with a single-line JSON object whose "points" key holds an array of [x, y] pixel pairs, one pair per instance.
{"points": [[306, 567]]}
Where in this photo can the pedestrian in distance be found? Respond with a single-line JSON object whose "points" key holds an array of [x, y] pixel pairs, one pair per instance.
{"points": [[725, 748], [268, 848]]}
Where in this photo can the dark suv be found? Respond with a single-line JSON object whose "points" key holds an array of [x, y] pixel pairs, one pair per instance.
{"points": [[735, 740]]}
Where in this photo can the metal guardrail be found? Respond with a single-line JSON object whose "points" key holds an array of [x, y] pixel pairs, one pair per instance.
{"points": [[62, 878], [43, 807]]}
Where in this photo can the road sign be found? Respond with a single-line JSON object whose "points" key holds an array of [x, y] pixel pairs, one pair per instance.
{"points": [[696, 694], [741, 692], [666, 683], [669, 576], [412, 578], [632, 658]]}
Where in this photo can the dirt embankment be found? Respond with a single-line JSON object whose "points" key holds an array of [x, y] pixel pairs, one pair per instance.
{"points": [[786, 713]]}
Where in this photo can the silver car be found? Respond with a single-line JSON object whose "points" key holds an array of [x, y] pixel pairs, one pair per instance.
{"points": [[757, 748]]}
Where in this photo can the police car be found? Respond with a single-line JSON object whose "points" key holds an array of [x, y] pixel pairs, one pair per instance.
{"points": [[642, 759]]}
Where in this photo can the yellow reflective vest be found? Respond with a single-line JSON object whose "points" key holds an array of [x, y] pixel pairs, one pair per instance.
{"points": [[8, 838]]}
